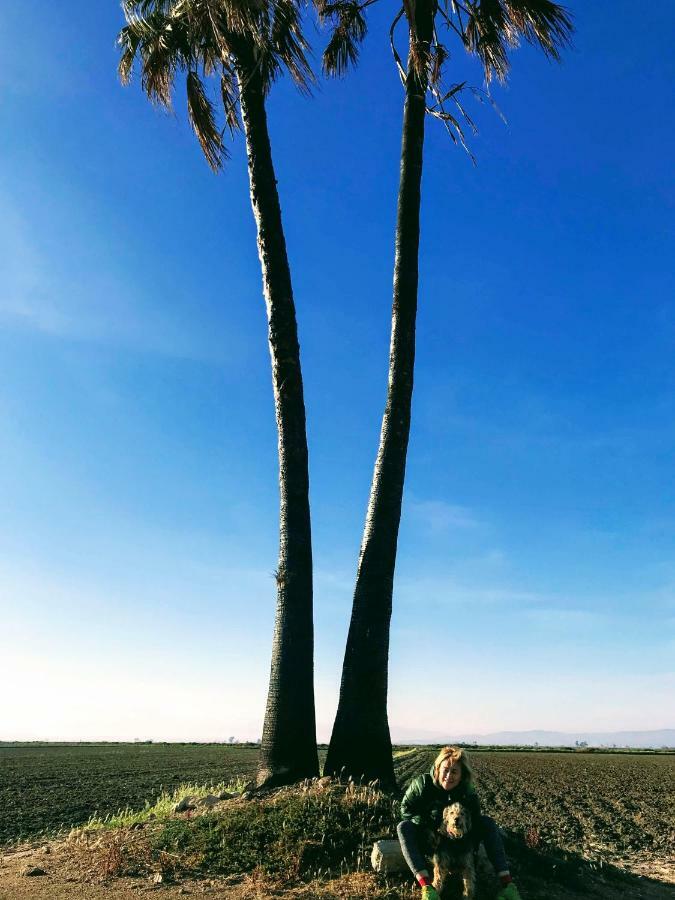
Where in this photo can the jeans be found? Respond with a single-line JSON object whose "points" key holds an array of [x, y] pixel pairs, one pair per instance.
{"points": [[490, 835]]}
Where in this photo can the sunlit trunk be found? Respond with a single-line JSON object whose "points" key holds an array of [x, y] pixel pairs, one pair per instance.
{"points": [[360, 744], [288, 751]]}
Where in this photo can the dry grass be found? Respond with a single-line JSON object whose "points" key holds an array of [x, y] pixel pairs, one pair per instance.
{"points": [[321, 829]]}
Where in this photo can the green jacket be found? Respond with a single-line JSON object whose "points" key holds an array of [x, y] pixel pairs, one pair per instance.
{"points": [[423, 803]]}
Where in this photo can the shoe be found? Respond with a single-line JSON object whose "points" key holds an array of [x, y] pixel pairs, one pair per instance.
{"points": [[509, 892], [429, 892]]}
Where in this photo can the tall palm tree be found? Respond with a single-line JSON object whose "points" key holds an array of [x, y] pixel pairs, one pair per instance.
{"points": [[245, 45], [360, 744]]}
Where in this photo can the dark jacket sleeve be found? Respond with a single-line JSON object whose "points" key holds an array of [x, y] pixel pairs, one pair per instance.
{"points": [[473, 804], [411, 805]]}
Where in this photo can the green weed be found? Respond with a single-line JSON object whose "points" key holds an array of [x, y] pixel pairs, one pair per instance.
{"points": [[306, 832], [163, 807]]}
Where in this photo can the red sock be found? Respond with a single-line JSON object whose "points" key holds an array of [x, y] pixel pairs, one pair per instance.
{"points": [[423, 881], [505, 879]]}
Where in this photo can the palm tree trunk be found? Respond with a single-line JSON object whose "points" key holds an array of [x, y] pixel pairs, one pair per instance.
{"points": [[288, 751], [360, 744]]}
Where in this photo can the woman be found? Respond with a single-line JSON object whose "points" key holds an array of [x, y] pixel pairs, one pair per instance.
{"points": [[450, 781]]}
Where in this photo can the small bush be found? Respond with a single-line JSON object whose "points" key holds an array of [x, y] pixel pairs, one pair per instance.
{"points": [[294, 834]]}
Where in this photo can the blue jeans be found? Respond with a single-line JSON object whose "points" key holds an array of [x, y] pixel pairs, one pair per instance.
{"points": [[408, 836]]}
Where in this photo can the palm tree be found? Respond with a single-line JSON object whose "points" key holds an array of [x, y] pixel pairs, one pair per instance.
{"points": [[360, 744], [245, 44]]}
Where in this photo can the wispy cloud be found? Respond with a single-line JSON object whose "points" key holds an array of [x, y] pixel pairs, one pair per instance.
{"points": [[566, 616], [538, 421], [75, 291], [435, 591], [439, 516], [61, 604]]}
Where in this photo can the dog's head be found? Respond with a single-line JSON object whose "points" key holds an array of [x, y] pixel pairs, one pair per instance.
{"points": [[456, 821]]}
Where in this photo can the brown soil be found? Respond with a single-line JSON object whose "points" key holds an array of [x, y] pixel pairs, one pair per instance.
{"points": [[75, 875]]}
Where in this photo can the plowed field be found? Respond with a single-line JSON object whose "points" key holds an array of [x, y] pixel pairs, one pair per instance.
{"points": [[607, 807]]}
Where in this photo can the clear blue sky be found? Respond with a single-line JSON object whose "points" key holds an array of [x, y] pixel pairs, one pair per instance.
{"points": [[535, 584]]}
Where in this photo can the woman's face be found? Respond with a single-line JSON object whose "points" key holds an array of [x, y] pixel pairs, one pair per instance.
{"points": [[449, 774]]}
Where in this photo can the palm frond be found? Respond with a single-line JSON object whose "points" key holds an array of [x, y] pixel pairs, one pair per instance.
{"points": [[452, 124], [141, 8], [488, 35], [159, 67], [161, 44], [230, 97], [392, 42], [495, 26], [206, 38], [288, 44], [482, 96], [350, 29], [129, 40], [439, 55], [460, 106], [203, 121], [543, 23], [226, 19]]}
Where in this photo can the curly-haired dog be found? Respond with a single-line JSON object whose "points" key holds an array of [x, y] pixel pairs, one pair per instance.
{"points": [[452, 850]]}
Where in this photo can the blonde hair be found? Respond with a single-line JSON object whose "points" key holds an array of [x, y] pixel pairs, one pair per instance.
{"points": [[453, 755]]}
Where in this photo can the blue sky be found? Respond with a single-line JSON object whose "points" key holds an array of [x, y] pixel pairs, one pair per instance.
{"points": [[535, 583]]}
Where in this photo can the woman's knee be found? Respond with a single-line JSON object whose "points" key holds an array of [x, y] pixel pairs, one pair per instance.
{"points": [[403, 829], [407, 834]]}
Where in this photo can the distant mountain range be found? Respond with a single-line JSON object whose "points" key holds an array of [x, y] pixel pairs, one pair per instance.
{"points": [[646, 739]]}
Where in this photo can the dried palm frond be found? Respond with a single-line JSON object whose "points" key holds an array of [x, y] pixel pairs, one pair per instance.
{"points": [[203, 121], [161, 42], [129, 40], [452, 124], [420, 59], [143, 7], [494, 26], [233, 40], [395, 53], [543, 23], [488, 35], [230, 97], [489, 29], [288, 44], [349, 31], [483, 96], [439, 55]]}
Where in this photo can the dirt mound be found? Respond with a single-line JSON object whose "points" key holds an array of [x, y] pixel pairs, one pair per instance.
{"points": [[74, 872]]}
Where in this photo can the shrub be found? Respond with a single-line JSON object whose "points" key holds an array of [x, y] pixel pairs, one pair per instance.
{"points": [[293, 834]]}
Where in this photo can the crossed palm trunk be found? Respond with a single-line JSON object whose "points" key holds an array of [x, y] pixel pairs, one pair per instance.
{"points": [[360, 744], [288, 750], [257, 41]]}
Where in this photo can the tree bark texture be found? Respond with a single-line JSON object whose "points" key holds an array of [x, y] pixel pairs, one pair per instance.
{"points": [[288, 750], [360, 744]]}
